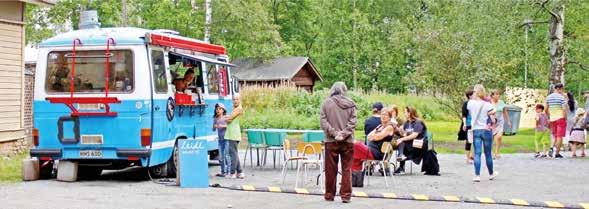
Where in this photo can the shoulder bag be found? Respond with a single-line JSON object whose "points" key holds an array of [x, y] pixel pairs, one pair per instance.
{"points": [[417, 143]]}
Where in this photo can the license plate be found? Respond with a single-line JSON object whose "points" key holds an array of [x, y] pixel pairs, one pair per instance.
{"points": [[90, 153]]}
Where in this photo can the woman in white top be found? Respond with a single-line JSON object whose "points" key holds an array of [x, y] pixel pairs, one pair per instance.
{"points": [[483, 115]]}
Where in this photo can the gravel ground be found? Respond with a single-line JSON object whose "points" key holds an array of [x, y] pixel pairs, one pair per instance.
{"points": [[521, 177]]}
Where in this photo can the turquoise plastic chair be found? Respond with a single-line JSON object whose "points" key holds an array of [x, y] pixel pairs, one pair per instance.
{"points": [[314, 136], [430, 140], [274, 140], [255, 140]]}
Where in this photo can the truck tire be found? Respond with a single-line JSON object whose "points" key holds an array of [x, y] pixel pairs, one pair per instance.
{"points": [[46, 169], [167, 169]]}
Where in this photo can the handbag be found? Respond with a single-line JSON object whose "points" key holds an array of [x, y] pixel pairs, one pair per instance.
{"points": [[470, 132], [417, 143]]}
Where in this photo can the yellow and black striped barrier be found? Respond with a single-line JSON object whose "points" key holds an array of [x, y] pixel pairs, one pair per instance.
{"points": [[419, 197]]}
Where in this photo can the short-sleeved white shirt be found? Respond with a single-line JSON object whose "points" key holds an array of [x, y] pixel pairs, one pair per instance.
{"points": [[474, 108]]}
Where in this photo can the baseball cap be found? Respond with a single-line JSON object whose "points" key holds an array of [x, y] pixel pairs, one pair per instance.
{"points": [[378, 106], [220, 105]]}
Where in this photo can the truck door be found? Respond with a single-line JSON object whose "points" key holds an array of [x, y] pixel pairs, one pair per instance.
{"points": [[162, 107]]}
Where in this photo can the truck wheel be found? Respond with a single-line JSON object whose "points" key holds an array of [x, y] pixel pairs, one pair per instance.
{"points": [[173, 163], [159, 171], [46, 170], [168, 169]]}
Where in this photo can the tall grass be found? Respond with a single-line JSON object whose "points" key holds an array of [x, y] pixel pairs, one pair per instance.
{"points": [[10, 168], [286, 106]]}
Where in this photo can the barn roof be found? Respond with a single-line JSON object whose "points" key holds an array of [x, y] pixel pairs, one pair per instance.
{"points": [[282, 68]]}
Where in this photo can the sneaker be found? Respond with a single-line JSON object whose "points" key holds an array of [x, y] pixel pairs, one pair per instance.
{"points": [[494, 175], [537, 155], [543, 156], [558, 156], [399, 171], [240, 176], [477, 179], [220, 175], [551, 152]]}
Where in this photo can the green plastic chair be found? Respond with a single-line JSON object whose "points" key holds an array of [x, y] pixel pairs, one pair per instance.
{"points": [[255, 140], [274, 140], [314, 136]]}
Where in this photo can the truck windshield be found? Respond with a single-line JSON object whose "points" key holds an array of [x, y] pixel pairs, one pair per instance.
{"points": [[90, 71]]}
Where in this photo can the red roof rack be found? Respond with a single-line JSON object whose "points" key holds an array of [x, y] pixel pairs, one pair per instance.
{"points": [[106, 101], [180, 42]]}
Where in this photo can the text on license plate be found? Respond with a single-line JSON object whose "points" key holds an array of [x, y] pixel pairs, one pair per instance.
{"points": [[90, 153]]}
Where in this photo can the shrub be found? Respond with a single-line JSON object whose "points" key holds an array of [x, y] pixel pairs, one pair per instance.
{"points": [[287, 107]]}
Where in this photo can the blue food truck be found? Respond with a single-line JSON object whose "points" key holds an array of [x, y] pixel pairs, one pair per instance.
{"points": [[112, 98]]}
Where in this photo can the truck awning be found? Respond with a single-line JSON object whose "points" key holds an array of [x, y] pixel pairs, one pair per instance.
{"points": [[203, 59]]}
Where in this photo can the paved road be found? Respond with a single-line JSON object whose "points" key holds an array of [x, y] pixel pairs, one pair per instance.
{"points": [[520, 177]]}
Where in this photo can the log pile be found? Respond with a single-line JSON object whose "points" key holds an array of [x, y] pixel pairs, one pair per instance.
{"points": [[526, 99]]}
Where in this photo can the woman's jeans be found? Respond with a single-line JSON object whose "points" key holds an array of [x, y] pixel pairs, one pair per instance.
{"points": [[224, 156], [483, 139]]}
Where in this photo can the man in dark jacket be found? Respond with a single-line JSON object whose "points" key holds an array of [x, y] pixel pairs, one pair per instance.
{"points": [[374, 121], [338, 121]]}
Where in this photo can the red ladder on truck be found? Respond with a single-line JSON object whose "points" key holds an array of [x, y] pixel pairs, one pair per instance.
{"points": [[106, 100]]}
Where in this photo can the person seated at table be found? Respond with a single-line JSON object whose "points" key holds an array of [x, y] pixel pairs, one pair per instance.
{"points": [[413, 128], [376, 138], [373, 122]]}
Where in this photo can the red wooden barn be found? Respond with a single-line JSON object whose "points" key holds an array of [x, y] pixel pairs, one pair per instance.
{"points": [[298, 70]]}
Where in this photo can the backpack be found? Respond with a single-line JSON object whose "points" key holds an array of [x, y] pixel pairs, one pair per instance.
{"points": [[430, 163]]}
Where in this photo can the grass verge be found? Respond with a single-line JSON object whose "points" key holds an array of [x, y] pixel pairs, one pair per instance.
{"points": [[10, 168]]}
